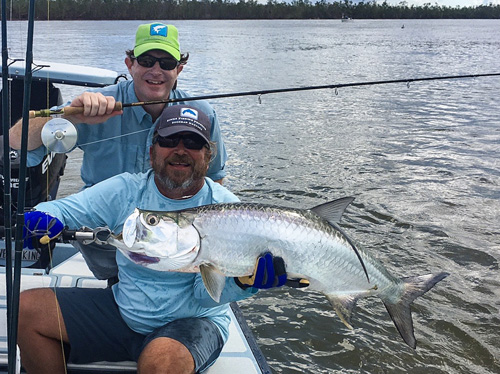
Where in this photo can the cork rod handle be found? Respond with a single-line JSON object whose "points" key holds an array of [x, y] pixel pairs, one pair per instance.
{"points": [[71, 110]]}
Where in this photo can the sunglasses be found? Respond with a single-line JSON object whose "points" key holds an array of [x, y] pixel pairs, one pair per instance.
{"points": [[190, 141], [166, 63]]}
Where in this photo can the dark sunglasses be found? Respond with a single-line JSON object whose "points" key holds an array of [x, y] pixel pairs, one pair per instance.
{"points": [[166, 63], [190, 141]]}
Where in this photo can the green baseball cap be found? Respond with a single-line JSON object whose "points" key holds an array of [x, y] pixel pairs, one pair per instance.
{"points": [[157, 36]]}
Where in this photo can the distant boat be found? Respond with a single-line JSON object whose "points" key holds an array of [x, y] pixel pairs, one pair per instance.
{"points": [[346, 18], [403, 26]]}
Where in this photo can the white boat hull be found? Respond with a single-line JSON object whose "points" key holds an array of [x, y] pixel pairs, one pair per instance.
{"points": [[238, 352]]}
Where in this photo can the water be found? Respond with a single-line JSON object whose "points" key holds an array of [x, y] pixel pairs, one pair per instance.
{"points": [[422, 162]]}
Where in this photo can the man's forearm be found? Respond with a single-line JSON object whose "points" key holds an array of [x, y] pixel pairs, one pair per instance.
{"points": [[34, 131]]}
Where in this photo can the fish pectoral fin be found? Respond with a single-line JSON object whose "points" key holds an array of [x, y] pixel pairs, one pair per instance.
{"points": [[343, 306], [213, 280]]}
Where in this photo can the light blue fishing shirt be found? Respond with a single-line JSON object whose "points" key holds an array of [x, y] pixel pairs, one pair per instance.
{"points": [[147, 298], [121, 144]]}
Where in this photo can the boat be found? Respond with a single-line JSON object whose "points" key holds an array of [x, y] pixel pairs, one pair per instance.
{"points": [[67, 267], [345, 18], [241, 350]]}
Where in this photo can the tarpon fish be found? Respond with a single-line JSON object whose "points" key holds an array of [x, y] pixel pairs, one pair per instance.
{"points": [[224, 240]]}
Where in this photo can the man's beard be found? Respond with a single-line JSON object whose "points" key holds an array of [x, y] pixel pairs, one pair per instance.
{"points": [[173, 180]]}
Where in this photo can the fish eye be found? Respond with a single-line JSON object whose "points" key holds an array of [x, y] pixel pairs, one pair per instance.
{"points": [[152, 219]]}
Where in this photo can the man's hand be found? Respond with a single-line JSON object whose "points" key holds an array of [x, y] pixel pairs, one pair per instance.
{"points": [[40, 228], [97, 108], [269, 272]]}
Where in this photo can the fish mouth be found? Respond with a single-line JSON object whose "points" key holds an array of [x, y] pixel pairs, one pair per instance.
{"points": [[142, 258]]}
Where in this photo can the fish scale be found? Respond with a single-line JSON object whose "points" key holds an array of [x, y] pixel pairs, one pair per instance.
{"points": [[263, 229], [225, 240]]}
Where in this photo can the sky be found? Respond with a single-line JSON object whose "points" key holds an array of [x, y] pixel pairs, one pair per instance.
{"points": [[448, 3], [451, 3]]}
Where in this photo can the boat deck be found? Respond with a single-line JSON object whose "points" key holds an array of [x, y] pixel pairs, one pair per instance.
{"points": [[240, 352]]}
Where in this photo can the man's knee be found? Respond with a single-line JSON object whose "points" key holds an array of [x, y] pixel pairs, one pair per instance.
{"points": [[39, 313], [165, 355], [33, 303]]}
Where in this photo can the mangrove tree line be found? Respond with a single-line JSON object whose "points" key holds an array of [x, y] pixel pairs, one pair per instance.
{"points": [[250, 9]]}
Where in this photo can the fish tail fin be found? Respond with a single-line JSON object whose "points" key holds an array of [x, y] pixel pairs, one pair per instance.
{"points": [[400, 312]]}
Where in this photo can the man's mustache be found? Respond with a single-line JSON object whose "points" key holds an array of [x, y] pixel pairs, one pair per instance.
{"points": [[179, 160]]}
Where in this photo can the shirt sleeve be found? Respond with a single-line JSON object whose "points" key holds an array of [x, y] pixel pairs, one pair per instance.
{"points": [[35, 156], [91, 207]]}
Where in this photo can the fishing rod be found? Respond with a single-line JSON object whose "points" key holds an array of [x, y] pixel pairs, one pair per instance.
{"points": [[7, 198], [85, 235], [119, 106], [16, 285]]}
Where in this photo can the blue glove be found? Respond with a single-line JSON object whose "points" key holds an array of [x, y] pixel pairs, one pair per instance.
{"points": [[269, 272], [40, 228]]}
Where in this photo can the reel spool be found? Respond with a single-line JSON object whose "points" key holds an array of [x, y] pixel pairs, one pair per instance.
{"points": [[59, 135]]}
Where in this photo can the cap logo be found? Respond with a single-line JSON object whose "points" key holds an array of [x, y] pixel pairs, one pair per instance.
{"points": [[189, 113], [158, 29]]}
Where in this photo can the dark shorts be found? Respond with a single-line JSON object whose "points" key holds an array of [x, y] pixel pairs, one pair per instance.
{"points": [[97, 331]]}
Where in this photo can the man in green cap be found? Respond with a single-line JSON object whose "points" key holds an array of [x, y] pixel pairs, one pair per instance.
{"points": [[114, 142]]}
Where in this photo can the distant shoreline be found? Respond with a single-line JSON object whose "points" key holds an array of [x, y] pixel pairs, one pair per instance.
{"points": [[250, 9]]}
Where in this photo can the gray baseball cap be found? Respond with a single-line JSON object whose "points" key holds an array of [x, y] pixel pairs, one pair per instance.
{"points": [[183, 118]]}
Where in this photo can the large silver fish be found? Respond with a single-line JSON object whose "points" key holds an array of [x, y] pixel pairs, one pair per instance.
{"points": [[224, 240]]}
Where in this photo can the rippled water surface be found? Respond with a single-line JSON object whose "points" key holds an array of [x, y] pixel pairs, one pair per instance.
{"points": [[421, 160]]}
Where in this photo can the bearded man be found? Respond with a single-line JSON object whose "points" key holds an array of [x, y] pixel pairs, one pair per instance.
{"points": [[165, 321]]}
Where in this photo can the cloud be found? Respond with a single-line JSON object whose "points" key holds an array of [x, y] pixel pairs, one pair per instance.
{"points": [[448, 3], [452, 3]]}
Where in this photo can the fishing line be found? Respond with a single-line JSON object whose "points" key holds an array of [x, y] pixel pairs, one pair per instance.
{"points": [[49, 249], [54, 289], [114, 137]]}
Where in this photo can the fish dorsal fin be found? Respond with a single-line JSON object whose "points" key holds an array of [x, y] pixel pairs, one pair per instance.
{"points": [[213, 280], [333, 210]]}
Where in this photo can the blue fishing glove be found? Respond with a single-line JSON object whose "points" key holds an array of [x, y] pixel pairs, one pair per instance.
{"points": [[39, 229], [269, 272]]}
